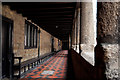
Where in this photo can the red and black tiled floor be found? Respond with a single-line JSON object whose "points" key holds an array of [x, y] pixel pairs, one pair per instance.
{"points": [[55, 67]]}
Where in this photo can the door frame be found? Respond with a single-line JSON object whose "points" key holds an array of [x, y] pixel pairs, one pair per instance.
{"points": [[0, 46], [10, 52]]}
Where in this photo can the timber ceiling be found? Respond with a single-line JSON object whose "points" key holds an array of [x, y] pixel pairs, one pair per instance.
{"points": [[54, 17]]}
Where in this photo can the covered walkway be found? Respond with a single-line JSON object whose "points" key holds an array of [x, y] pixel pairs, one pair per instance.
{"points": [[60, 40]]}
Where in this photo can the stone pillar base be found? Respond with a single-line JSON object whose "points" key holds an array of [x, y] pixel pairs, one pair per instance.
{"points": [[88, 53], [77, 50], [111, 60], [73, 47]]}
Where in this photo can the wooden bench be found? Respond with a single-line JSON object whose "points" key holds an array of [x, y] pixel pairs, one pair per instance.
{"points": [[29, 63]]}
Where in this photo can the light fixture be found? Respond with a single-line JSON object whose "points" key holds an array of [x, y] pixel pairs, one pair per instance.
{"points": [[56, 26]]}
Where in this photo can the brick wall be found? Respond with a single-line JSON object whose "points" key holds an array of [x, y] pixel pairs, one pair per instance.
{"points": [[18, 36]]}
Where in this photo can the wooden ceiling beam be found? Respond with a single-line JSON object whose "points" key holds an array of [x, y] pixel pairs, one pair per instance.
{"points": [[47, 20], [56, 21], [48, 14], [52, 21], [47, 9], [51, 17], [33, 6], [62, 23], [52, 24], [35, 3]]}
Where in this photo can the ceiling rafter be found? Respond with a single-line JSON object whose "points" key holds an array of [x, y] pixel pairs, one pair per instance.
{"points": [[48, 15]]}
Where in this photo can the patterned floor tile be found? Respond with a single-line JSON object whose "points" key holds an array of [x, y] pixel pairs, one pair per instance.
{"points": [[57, 64]]}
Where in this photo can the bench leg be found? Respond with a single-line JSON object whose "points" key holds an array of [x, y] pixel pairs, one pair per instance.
{"points": [[37, 62], [32, 65], [19, 69], [19, 72], [40, 60], [24, 68], [28, 67]]}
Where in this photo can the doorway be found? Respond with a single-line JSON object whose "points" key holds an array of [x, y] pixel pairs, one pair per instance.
{"points": [[52, 44], [6, 45]]}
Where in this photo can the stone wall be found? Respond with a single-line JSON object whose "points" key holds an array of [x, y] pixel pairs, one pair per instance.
{"points": [[18, 36], [45, 42]]}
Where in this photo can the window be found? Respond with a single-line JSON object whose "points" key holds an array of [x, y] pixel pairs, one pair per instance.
{"points": [[30, 35]]}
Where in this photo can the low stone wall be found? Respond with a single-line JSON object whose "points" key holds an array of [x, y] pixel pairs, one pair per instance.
{"points": [[83, 70]]}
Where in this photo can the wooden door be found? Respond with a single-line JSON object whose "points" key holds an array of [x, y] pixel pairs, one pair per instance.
{"points": [[6, 43]]}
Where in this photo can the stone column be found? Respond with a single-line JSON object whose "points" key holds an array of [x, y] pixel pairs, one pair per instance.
{"points": [[75, 31], [73, 35], [108, 37], [69, 41], [88, 30], [78, 30]]}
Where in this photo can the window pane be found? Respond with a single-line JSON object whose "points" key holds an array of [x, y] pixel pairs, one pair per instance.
{"points": [[28, 35], [35, 37], [25, 34], [32, 36]]}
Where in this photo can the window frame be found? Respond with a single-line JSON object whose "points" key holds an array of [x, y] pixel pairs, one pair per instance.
{"points": [[30, 36]]}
